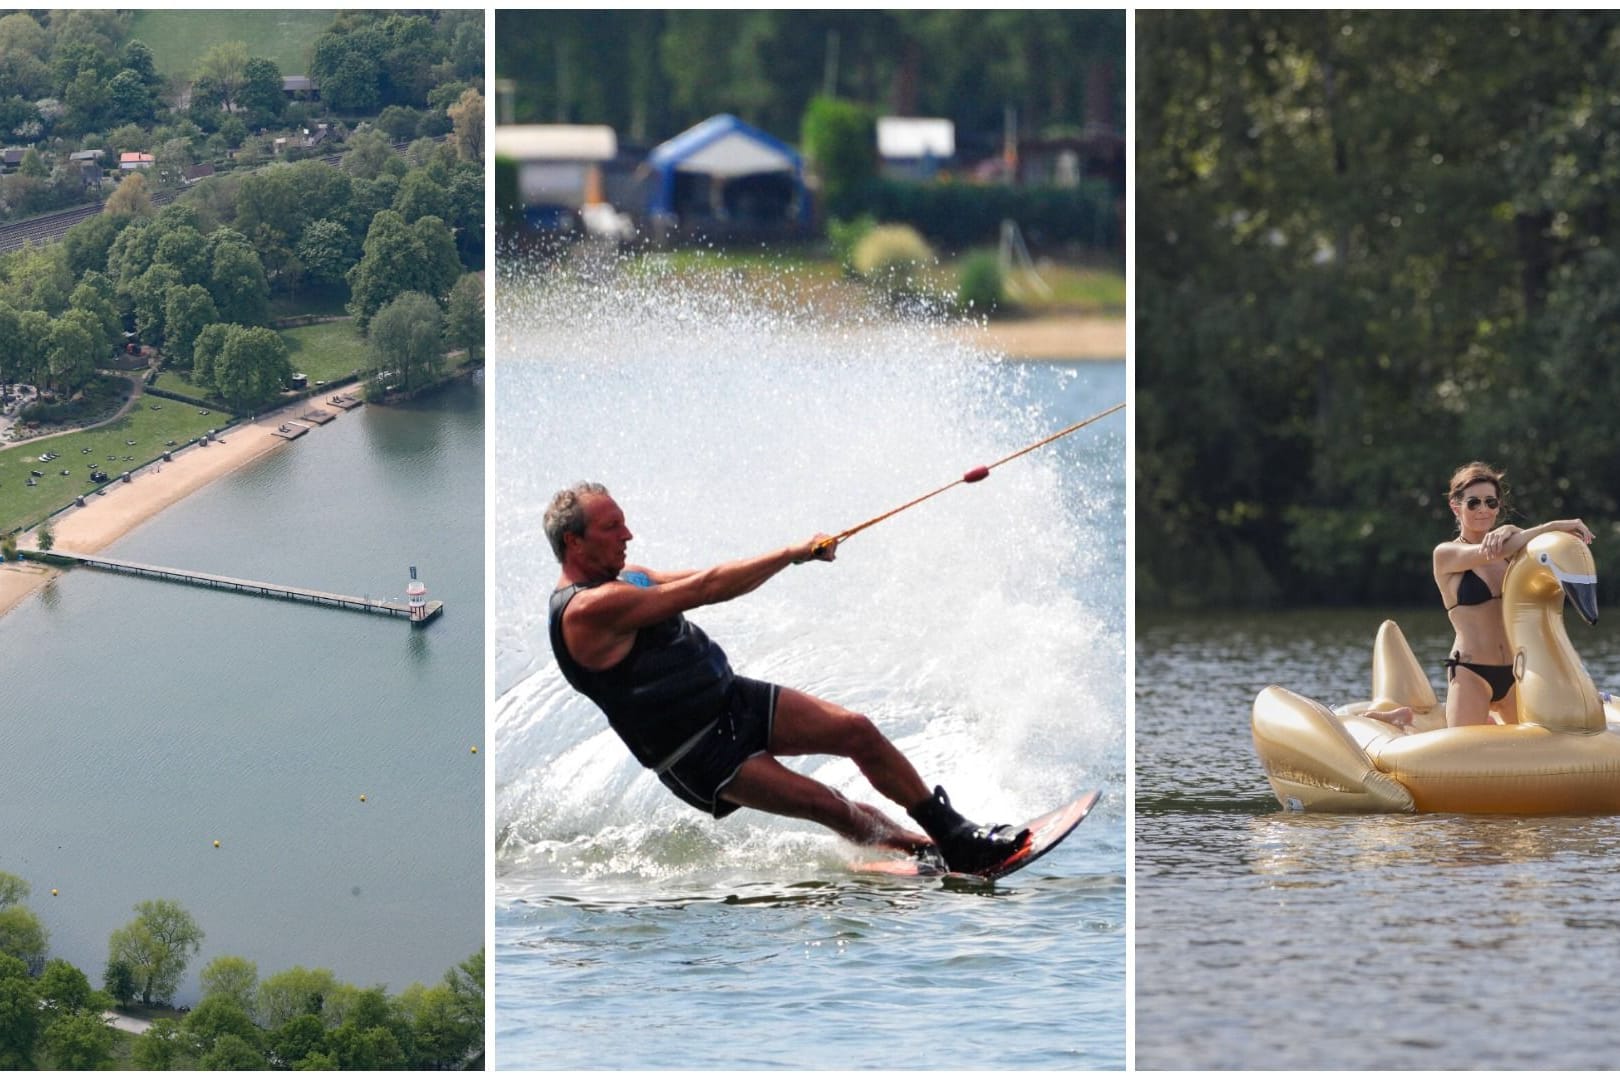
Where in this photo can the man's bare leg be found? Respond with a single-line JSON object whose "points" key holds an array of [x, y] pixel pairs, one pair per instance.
{"points": [[763, 783]]}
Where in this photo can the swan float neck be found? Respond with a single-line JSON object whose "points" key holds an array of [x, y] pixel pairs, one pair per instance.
{"points": [[1555, 692]]}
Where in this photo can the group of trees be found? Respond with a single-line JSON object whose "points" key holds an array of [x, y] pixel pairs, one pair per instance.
{"points": [[196, 280], [51, 1017], [651, 74], [76, 79], [1371, 246], [306, 1019]]}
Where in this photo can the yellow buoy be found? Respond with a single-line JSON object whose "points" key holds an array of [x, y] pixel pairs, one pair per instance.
{"points": [[362, 798], [475, 749], [53, 892], [216, 843]]}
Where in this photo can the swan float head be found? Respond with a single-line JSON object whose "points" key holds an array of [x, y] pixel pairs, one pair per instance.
{"points": [[1555, 692]]}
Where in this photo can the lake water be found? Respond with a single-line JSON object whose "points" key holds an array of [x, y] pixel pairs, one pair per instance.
{"points": [[983, 631], [142, 720], [1275, 940]]}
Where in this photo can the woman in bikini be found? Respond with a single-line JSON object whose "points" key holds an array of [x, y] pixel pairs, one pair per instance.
{"points": [[1469, 571]]}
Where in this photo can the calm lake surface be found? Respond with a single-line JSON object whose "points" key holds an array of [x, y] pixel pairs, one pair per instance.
{"points": [[1272, 940], [983, 632], [141, 721]]}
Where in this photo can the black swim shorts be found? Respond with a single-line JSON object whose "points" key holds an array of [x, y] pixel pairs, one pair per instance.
{"points": [[741, 733]]}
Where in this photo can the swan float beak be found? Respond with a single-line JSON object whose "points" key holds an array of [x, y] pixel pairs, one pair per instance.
{"points": [[1581, 589]]}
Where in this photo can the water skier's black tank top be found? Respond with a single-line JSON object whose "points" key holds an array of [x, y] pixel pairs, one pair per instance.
{"points": [[1472, 591], [670, 685]]}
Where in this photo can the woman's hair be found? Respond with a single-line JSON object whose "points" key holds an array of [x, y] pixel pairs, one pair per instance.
{"points": [[1473, 473]]}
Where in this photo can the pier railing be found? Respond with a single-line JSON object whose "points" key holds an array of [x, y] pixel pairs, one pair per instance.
{"points": [[243, 585]]}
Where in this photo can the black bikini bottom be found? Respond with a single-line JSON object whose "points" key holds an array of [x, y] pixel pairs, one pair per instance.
{"points": [[1499, 676]]}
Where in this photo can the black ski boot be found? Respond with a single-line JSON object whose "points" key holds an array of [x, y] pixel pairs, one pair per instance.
{"points": [[966, 848]]}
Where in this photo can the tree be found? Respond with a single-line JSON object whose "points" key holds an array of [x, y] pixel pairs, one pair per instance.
{"points": [[297, 991], [186, 310], [326, 251], [218, 1016], [464, 315], [22, 936], [467, 116], [32, 357], [160, 1048], [238, 285], [13, 889], [88, 242], [185, 250], [130, 198], [421, 196], [225, 68], [44, 539], [232, 1052], [89, 300], [157, 945], [205, 350], [297, 1039], [401, 258], [369, 153], [80, 1041], [118, 980], [128, 100], [840, 142], [251, 368], [407, 342], [65, 989], [149, 297], [75, 348], [21, 1018], [232, 978], [261, 90]]}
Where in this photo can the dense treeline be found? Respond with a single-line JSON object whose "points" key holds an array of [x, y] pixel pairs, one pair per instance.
{"points": [[1371, 246], [651, 74], [52, 1018], [76, 80]]}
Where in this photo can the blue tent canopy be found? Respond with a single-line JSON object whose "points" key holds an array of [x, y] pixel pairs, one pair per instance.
{"points": [[724, 147]]}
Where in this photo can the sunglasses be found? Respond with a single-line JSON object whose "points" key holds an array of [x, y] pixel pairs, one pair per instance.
{"points": [[1473, 501]]}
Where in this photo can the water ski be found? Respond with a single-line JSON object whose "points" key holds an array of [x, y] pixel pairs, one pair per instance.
{"points": [[1045, 833]]}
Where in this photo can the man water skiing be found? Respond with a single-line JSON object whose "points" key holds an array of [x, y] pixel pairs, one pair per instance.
{"points": [[713, 737]]}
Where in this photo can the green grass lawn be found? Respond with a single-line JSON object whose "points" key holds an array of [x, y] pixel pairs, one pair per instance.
{"points": [[150, 426], [310, 302], [179, 38], [175, 383], [326, 351]]}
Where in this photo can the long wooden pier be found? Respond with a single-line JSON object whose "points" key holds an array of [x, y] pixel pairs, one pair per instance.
{"points": [[254, 588]]}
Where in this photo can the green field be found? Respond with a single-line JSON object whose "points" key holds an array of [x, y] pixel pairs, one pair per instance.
{"points": [[326, 352], [150, 426], [179, 38]]}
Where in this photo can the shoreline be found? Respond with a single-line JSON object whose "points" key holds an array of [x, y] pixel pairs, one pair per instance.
{"points": [[154, 488], [1050, 337]]}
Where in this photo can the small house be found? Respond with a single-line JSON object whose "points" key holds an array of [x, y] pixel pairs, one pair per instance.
{"points": [[727, 178], [914, 147]]}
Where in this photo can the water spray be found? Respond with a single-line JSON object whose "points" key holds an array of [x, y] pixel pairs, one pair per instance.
{"points": [[972, 476]]}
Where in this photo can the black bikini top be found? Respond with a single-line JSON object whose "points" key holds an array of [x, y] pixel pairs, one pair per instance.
{"points": [[1472, 591]]}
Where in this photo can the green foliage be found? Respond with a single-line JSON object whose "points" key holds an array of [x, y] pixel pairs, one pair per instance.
{"points": [[187, 310], [298, 991], [464, 316], [249, 368], [980, 288], [157, 945], [1371, 246], [399, 258], [407, 342], [233, 979], [840, 142], [21, 1018], [893, 257], [22, 936], [160, 1048], [80, 1041], [44, 539], [959, 216], [66, 989]]}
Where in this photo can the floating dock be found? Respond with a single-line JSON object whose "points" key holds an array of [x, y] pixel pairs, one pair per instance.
{"points": [[256, 588]]}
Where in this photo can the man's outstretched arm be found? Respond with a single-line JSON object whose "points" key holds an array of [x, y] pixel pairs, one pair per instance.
{"points": [[617, 610]]}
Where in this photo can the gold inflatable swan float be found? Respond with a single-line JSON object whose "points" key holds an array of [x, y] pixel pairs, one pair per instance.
{"points": [[1561, 758]]}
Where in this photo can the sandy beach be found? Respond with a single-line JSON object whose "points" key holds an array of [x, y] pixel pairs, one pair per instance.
{"points": [[152, 489], [1053, 337]]}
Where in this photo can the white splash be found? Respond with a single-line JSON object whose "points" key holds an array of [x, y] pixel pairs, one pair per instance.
{"points": [[982, 630]]}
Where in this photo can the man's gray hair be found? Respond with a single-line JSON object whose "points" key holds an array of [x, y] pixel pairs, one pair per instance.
{"points": [[566, 515]]}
